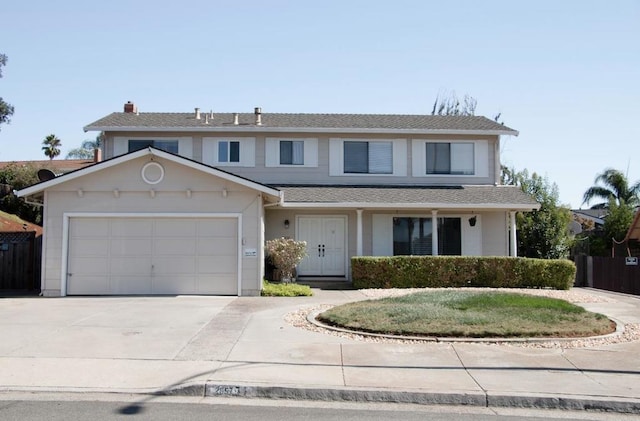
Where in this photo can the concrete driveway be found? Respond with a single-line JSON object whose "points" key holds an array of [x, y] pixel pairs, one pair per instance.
{"points": [[114, 327]]}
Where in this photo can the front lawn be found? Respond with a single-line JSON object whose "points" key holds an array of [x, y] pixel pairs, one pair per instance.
{"points": [[458, 313]]}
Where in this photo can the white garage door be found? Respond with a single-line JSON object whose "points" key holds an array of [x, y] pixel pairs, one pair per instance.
{"points": [[122, 256]]}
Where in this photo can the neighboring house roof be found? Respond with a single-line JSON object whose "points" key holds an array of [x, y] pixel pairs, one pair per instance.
{"points": [[37, 189], [634, 229], [596, 216], [13, 223], [59, 166], [403, 197], [277, 122]]}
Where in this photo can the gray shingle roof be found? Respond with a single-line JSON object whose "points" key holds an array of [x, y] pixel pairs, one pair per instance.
{"points": [[271, 121], [466, 197]]}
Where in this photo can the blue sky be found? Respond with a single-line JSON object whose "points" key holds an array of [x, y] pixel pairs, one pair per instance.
{"points": [[566, 74]]}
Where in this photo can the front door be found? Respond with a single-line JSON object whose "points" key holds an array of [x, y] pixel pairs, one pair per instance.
{"points": [[326, 251]]}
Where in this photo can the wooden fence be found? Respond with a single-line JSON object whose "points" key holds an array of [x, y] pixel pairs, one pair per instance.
{"points": [[608, 273], [20, 261]]}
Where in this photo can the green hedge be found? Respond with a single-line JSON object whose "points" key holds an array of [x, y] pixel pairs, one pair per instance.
{"points": [[461, 271]]}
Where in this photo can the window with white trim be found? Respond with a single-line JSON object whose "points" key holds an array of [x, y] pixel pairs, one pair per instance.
{"points": [[291, 152], [450, 158], [229, 151], [413, 236], [165, 145], [368, 157]]}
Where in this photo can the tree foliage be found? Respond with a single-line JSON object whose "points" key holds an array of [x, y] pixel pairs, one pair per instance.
{"points": [[542, 233], [86, 150], [51, 146], [617, 221], [16, 177], [609, 184], [6, 110], [449, 104]]}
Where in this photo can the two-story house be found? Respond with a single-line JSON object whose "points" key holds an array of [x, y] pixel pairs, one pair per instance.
{"points": [[183, 202]]}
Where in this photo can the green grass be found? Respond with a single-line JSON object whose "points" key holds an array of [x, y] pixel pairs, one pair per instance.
{"points": [[285, 290], [458, 313]]}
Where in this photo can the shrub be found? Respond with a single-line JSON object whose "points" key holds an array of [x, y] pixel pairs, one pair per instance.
{"points": [[461, 271], [286, 253]]}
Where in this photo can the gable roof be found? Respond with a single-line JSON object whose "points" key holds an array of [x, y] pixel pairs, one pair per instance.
{"points": [[43, 185], [409, 197], [284, 122]]}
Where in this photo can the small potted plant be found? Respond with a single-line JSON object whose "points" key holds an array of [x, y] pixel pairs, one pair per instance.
{"points": [[286, 253]]}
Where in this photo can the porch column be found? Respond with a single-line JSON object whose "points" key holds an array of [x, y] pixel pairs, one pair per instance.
{"points": [[434, 232], [513, 250], [359, 232]]}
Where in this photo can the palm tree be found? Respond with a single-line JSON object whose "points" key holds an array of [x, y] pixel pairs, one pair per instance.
{"points": [[51, 146], [612, 184], [85, 151]]}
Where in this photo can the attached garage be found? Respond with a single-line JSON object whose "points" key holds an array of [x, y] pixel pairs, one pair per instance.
{"points": [[127, 255], [152, 223]]}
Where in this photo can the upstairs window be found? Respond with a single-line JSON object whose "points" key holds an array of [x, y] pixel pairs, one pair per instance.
{"points": [[228, 151], [368, 157], [450, 158], [291, 152], [165, 145]]}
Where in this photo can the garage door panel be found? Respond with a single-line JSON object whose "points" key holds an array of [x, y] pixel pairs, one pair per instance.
{"points": [[128, 227], [91, 265], [226, 246], [89, 227], [130, 284], [216, 284], [223, 227], [175, 265], [176, 228], [89, 285], [217, 264], [147, 255], [91, 247], [131, 246], [134, 265], [174, 246]]}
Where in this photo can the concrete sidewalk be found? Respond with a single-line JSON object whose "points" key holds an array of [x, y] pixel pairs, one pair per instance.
{"points": [[228, 346]]}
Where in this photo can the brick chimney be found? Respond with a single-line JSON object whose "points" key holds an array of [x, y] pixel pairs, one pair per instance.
{"points": [[130, 107]]}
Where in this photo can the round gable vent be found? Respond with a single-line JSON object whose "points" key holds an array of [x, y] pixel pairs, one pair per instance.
{"points": [[152, 173]]}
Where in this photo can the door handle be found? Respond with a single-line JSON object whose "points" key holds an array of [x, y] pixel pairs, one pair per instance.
{"points": [[323, 250], [319, 250]]}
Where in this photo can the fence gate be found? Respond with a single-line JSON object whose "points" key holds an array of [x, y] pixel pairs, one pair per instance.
{"points": [[620, 274], [20, 261]]}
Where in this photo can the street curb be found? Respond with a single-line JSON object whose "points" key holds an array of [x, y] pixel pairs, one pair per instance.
{"points": [[479, 399]]}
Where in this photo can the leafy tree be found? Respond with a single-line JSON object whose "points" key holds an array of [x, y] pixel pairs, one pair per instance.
{"points": [[617, 222], [85, 151], [51, 146], [6, 110], [542, 233], [17, 177], [614, 184]]}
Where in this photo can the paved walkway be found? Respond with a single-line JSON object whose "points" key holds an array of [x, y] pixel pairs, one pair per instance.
{"points": [[212, 346]]}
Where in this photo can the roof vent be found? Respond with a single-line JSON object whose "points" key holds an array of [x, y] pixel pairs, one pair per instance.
{"points": [[197, 113], [130, 108], [258, 113], [236, 118]]}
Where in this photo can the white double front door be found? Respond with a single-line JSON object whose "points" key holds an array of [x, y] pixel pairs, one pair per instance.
{"points": [[326, 245]]}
